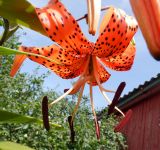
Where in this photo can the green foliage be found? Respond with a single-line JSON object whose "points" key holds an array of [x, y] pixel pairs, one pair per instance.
{"points": [[20, 12], [8, 117], [23, 95], [8, 30]]}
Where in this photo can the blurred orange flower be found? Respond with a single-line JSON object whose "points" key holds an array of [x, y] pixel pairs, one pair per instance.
{"points": [[147, 13]]}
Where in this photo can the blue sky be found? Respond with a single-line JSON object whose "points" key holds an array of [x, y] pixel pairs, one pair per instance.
{"points": [[143, 69]]}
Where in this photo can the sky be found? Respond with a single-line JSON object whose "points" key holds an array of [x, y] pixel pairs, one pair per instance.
{"points": [[144, 68]]}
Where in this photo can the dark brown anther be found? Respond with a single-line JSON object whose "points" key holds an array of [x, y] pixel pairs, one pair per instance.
{"points": [[97, 129], [72, 132], [65, 90], [124, 121], [116, 97], [45, 113]]}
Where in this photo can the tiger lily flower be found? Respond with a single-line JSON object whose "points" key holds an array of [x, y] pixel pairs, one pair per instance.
{"points": [[94, 9], [74, 55], [147, 13]]}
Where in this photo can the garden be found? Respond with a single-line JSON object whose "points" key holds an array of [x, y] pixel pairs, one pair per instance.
{"points": [[67, 66]]}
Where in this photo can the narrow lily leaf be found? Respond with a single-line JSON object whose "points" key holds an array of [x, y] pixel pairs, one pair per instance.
{"points": [[5, 145], [22, 13], [9, 51], [8, 117]]}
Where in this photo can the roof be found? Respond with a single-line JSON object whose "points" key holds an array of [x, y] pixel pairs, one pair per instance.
{"points": [[140, 93]]}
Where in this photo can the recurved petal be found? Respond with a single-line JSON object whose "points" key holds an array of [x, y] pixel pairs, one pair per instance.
{"points": [[18, 61], [67, 65], [121, 61], [55, 53], [101, 72], [147, 14], [69, 71], [116, 31], [62, 28]]}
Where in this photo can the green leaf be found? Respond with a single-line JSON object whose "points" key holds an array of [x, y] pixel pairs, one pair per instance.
{"points": [[22, 13], [8, 117], [5, 145], [9, 51], [1, 22]]}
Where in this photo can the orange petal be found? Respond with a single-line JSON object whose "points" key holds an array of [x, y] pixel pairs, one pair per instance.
{"points": [[68, 72], [54, 52], [147, 14], [62, 28], [18, 60], [116, 31], [69, 65], [122, 61], [102, 74]]}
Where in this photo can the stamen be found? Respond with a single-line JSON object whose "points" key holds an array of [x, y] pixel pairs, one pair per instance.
{"points": [[94, 114], [100, 86], [78, 102], [72, 132], [106, 90], [79, 82], [116, 97], [96, 75], [77, 88], [107, 98], [45, 113], [124, 121]]}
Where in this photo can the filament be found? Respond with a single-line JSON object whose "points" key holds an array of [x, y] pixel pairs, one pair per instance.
{"points": [[80, 81], [78, 102], [94, 113], [92, 104], [100, 86]]}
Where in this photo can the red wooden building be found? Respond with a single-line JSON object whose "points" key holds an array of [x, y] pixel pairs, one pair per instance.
{"points": [[143, 129]]}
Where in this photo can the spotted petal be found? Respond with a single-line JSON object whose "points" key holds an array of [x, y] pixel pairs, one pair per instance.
{"points": [[62, 28], [101, 72], [122, 61], [116, 31], [68, 65], [56, 53]]}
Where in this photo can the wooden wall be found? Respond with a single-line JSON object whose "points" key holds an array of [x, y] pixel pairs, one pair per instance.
{"points": [[143, 130]]}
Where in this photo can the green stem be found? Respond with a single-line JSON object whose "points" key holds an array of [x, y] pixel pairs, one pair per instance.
{"points": [[6, 29], [11, 32]]}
